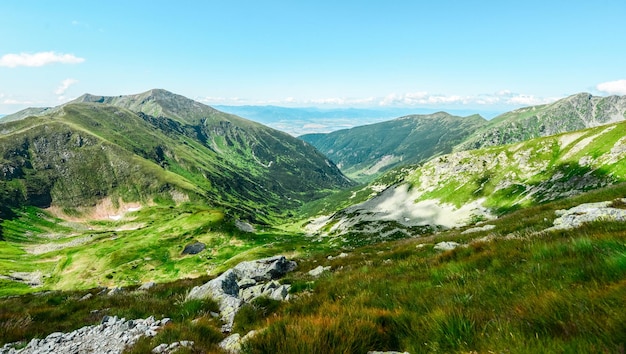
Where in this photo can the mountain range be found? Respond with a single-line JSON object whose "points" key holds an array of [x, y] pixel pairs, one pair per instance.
{"points": [[365, 152], [156, 145], [468, 235]]}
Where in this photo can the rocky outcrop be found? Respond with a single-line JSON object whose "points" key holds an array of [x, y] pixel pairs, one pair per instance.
{"points": [[244, 283], [586, 213], [316, 272], [232, 344], [446, 246], [478, 229], [112, 335]]}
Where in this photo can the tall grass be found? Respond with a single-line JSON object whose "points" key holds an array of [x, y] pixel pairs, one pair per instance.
{"points": [[537, 292]]}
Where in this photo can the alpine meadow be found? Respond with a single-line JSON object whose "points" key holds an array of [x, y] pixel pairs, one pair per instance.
{"points": [[312, 178]]}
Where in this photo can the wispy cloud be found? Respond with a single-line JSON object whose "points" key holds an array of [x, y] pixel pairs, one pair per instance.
{"points": [[11, 101], [65, 84], [503, 97], [617, 87], [419, 98], [38, 59]]}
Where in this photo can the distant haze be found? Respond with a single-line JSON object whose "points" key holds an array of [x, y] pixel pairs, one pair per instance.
{"points": [[307, 120]]}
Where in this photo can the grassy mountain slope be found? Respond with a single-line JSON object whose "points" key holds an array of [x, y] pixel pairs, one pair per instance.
{"points": [[82, 152], [468, 186], [365, 152], [515, 288], [572, 113], [125, 191]]}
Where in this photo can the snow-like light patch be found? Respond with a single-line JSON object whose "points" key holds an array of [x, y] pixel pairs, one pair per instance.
{"points": [[584, 142], [398, 204], [384, 161], [378, 187], [567, 139]]}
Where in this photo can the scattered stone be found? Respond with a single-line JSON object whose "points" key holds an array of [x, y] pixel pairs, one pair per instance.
{"points": [[318, 271], [146, 286], [264, 269], [341, 255], [33, 279], [194, 248], [171, 348], [115, 291], [254, 275], [479, 229], [232, 344], [112, 335], [244, 226], [446, 245], [86, 297], [586, 213], [390, 352]]}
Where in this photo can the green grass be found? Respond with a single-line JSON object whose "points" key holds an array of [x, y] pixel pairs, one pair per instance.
{"points": [[527, 292], [145, 246], [556, 292]]}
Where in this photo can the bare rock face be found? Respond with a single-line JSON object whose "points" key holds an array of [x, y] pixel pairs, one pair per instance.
{"points": [[244, 283], [112, 335]]}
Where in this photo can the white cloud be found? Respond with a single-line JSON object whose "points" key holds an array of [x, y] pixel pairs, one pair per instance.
{"points": [[38, 59], [15, 102], [617, 87], [65, 84], [502, 98]]}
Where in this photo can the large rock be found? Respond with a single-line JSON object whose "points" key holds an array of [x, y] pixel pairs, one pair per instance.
{"points": [[232, 344], [446, 246], [244, 283], [586, 213], [264, 269], [194, 248], [318, 271]]}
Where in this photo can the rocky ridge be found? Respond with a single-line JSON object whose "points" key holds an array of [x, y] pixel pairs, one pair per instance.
{"points": [[572, 113]]}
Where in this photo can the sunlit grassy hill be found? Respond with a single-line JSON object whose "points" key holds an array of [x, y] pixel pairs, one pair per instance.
{"points": [[365, 152], [153, 145], [568, 114], [468, 186]]}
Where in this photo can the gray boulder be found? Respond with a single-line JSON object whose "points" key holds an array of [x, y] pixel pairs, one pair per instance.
{"points": [[194, 248], [146, 286], [446, 245], [243, 283], [264, 269], [318, 271], [232, 344]]}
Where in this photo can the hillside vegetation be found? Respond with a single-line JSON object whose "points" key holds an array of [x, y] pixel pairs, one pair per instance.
{"points": [[572, 113], [366, 152], [486, 250], [515, 288], [468, 186], [158, 145]]}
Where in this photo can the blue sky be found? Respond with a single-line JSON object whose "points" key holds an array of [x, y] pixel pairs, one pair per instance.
{"points": [[483, 55]]}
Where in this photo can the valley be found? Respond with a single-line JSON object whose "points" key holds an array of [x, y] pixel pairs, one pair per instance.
{"points": [[425, 233]]}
